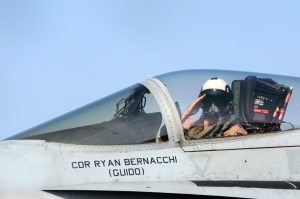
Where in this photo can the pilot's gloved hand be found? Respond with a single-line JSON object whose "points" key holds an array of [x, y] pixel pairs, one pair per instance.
{"points": [[193, 108]]}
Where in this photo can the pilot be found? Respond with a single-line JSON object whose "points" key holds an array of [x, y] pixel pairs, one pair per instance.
{"points": [[215, 99]]}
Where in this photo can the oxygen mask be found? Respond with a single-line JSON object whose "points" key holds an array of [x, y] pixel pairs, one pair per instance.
{"points": [[213, 108]]}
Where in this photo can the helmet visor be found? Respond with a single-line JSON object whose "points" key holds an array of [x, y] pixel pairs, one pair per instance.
{"points": [[218, 100]]}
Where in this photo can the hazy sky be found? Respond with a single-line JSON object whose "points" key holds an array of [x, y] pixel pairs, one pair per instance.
{"points": [[59, 55]]}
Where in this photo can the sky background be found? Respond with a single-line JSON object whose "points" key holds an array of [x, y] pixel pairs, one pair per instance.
{"points": [[56, 56]]}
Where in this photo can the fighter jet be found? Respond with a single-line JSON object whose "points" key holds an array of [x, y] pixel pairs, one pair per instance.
{"points": [[194, 133]]}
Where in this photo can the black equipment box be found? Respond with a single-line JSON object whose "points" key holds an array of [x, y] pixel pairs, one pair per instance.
{"points": [[260, 100]]}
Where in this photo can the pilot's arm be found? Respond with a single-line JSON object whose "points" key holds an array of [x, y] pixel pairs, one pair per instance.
{"points": [[192, 110]]}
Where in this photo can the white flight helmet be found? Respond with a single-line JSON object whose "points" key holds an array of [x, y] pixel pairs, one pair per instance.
{"points": [[217, 92]]}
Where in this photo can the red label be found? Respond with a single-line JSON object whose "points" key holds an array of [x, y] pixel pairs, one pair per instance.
{"points": [[262, 111]]}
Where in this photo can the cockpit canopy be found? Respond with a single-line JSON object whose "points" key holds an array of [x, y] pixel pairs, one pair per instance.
{"points": [[130, 116], [133, 115]]}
